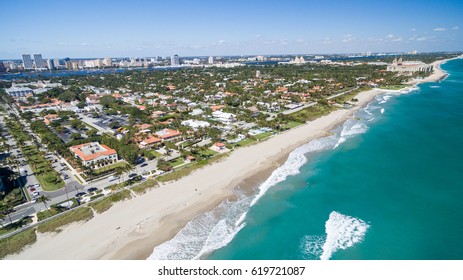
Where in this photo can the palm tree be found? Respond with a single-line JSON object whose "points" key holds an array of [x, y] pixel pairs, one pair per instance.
{"points": [[43, 198], [6, 209]]}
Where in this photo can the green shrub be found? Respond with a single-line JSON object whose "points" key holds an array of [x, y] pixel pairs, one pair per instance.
{"points": [[50, 178]]}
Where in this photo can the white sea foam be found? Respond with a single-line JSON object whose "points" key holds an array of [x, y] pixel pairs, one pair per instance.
{"points": [[382, 110], [205, 233], [342, 232], [212, 230], [295, 161], [312, 246], [434, 86]]}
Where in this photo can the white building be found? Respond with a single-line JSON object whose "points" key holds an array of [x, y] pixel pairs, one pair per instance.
{"points": [[19, 91], [195, 124], [107, 62], [94, 154], [408, 66], [50, 64], [210, 60], [174, 60], [225, 118]]}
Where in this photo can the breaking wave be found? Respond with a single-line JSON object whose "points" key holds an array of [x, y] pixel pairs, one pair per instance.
{"points": [[342, 232], [212, 230]]}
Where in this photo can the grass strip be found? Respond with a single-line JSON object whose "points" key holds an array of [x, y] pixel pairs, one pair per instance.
{"points": [[14, 244], [54, 225], [145, 186], [106, 203]]}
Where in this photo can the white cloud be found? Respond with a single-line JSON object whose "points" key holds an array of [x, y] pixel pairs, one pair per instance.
{"points": [[424, 38], [348, 38], [413, 29], [440, 29], [393, 38], [455, 28], [222, 42]]}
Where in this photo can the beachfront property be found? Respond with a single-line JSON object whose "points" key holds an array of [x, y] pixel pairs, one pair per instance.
{"points": [[219, 147], [408, 66], [94, 154]]}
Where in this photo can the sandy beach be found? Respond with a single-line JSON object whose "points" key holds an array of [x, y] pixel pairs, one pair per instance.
{"points": [[132, 228]]}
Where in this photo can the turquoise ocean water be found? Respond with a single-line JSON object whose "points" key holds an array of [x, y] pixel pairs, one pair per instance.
{"points": [[387, 185]]}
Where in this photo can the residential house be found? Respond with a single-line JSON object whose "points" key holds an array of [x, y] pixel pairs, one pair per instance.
{"points": [[50, 118], [94, 154], [168, 134]]}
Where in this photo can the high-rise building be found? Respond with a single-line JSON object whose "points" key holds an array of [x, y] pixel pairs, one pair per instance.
{"points": [[211, 60], [38, 61], [57, 62], [50, 64], [2, 69], [107, 62], [27, 61], [175, 60]]}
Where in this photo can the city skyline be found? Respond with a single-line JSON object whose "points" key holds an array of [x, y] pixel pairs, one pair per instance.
{"points": [[146, 29]]}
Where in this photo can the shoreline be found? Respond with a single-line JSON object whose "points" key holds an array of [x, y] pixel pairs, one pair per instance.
{"points": [[132, 228]]}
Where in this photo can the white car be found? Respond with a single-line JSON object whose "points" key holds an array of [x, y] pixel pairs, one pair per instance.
{"points": [[35, 194]]}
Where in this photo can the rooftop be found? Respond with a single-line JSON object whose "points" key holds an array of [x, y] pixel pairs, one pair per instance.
{"points": [[92, 150]]}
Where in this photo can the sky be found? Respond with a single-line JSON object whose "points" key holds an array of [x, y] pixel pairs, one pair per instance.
{"points": [[136, 28]]}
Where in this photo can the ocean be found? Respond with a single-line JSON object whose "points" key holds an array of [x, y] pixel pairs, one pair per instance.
{"points": [[386, 185]]}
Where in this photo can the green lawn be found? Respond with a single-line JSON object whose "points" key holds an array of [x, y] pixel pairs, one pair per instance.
{"points": [[263, 135], [291, 124], [181, 172], [312, 113], [14, 226], [53, 225], [208, 153], [54, 210], [393, 87], [156, 154], [176, 162], [14, 244], [106, 203], [245, 142], [110, 167], [50, 186]]}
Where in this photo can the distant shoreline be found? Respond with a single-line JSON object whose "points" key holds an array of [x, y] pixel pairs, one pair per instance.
{"points": [[132, 228]]}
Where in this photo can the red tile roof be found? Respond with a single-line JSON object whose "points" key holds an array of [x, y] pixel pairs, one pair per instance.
{"points": [[106, 151]]}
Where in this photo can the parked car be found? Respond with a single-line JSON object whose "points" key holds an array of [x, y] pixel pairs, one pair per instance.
{"points": [[132, 175], [92, 190], [144, 164], [79, 194], [32, 189], [35, 194]]}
